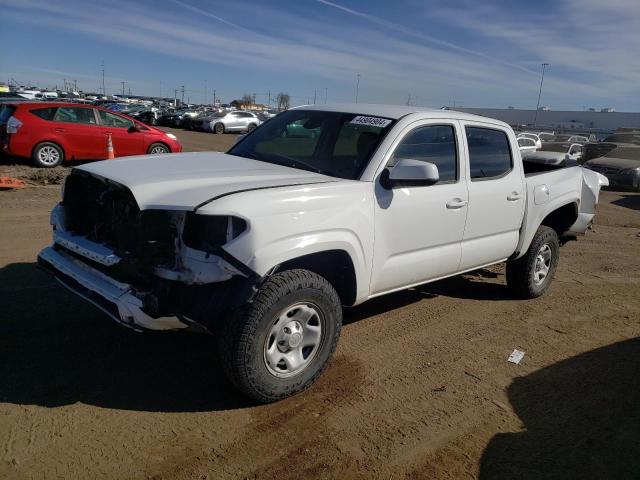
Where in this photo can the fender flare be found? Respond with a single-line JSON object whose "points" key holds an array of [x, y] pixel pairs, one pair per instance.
{"points": [[268, 257], [530, 227]]}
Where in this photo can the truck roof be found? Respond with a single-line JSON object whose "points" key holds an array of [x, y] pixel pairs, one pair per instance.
{"points": [[395, 111]]}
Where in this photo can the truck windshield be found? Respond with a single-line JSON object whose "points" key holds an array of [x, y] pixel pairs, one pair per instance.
{"points": [[331, 143]]}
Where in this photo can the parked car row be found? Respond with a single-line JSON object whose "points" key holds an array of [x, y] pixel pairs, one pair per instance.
{"points": [[51, 133], [618, 158]]}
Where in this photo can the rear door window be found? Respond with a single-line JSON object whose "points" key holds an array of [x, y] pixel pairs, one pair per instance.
{"points": [[526, 142], [45, 113], [75, 115], [489, 152]]}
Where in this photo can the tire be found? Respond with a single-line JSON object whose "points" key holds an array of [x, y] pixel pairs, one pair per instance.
{"points": [[251, 127], [255, 337], [218, 128], [47, 155], [158, 149], [530, 275]]}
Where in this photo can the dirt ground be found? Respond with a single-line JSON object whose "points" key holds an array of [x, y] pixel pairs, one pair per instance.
{"points": [[419, 387]]}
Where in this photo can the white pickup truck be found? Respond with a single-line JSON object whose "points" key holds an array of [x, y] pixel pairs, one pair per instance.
{"points": [[318, 208]]}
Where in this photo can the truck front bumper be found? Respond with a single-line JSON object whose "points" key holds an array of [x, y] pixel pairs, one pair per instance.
{"points": [[118, 300]]}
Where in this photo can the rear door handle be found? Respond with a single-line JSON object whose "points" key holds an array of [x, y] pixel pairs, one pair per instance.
{"points": [[59, 129], [456, 203], [513, 196]]}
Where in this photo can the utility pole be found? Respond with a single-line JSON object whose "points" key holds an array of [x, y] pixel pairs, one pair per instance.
{"points": [[269, 98], [254, 98], [357, 87], [205, 93], [182, 90], [175, 97], [123, 87], [104, 90], [214, 97], [315, 93], [535, 118], [75, 85]]}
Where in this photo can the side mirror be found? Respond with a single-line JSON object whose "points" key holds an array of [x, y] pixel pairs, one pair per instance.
{"points": [[408, 172], [133, 129]]}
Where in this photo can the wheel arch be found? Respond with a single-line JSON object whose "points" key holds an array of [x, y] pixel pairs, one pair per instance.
{"points": [[335, 265], [560, 218]]}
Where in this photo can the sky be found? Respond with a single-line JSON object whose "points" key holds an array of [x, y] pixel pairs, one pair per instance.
{"points": [[431, 53]]}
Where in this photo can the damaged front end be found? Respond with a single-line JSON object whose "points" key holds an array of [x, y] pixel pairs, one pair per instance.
{"points": [[149, 269]]}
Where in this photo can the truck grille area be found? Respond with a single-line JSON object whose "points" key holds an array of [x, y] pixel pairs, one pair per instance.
{"points": [[106, 212]]}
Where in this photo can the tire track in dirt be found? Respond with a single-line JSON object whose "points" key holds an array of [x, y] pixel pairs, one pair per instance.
{"points": [[295, 429]]}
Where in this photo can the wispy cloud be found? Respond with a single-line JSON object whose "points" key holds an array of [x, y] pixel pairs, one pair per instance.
{"points": [[204, 13], [419, 35]]}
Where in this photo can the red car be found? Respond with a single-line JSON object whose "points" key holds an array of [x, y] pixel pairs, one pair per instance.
{"points": [[50, 133]]}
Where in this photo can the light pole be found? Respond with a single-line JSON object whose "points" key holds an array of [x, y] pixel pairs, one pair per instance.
{"points": [[357, 86], [535, 118]]}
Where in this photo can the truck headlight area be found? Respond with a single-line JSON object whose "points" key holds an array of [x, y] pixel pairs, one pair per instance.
{"points": [[206, 232]]}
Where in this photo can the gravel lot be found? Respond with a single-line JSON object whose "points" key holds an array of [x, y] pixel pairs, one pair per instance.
{"points": [[419, 386]]}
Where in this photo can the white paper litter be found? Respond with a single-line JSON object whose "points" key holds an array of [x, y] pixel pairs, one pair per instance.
{"points": [[516, 356]]}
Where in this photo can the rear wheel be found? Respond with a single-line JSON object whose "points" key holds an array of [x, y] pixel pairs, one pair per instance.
{"points": [[218, 128], [530, 275], [280, 343], [251, 127], [158, 149], [47, 155]]}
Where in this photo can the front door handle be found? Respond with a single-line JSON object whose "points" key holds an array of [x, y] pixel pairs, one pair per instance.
{"points": [[513, 196], [456, 203], [59, 129]]}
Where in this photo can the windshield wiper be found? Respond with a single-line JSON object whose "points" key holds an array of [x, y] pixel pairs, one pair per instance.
{"points": [[282, 160], [295, 163]]}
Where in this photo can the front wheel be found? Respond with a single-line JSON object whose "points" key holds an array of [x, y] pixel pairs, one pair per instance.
{"points": [[280, 343], [158, 149], [530, 275]]}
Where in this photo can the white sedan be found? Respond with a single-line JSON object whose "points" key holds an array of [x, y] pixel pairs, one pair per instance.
{"points": [[235, 121]]}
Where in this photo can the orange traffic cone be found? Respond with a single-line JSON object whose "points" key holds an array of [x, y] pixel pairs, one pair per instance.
{"points": [[110, 154]]}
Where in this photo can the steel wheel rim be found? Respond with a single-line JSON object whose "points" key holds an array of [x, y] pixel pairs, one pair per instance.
{"points": [[543, 264], [294, 340], [48, 155], [158, 150]]}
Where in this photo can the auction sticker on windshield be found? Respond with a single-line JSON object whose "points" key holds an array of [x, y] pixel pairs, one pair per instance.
{"points": [[371, 121]]}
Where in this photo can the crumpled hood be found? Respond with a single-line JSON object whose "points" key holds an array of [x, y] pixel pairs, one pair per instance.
{"points": [[183, 181]]}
